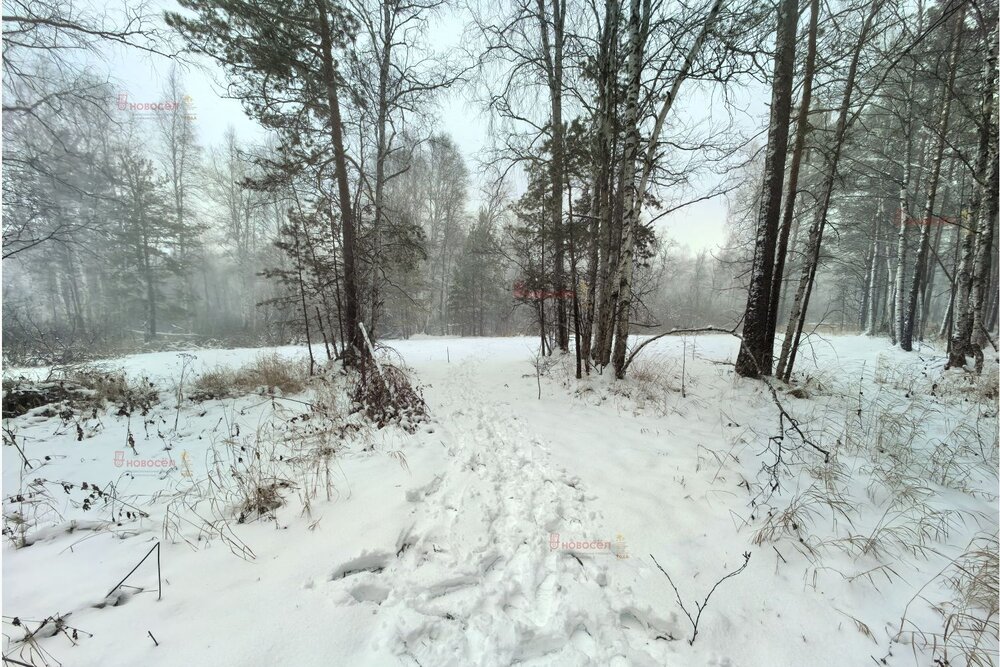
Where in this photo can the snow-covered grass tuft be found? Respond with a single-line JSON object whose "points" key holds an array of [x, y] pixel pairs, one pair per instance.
{"points": [[966, 596], [268, 374]]}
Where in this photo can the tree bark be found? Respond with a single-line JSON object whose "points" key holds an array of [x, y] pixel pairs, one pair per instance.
{"points": [[756, 349], [800, 305], [982, 321], [600, 209], [906, 339], [871, 322], [637, 40], [801, 132], [898, 290], [634, 192], [552, 51], [355, 350], [381, 152]]}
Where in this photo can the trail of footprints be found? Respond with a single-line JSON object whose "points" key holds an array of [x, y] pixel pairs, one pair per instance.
{"points": [[474, 578]]}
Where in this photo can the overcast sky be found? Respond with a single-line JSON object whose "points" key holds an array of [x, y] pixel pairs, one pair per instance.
{"points": [[142, 78]]}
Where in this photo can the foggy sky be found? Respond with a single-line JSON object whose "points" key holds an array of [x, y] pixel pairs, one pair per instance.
{"points": [[142, 77]]}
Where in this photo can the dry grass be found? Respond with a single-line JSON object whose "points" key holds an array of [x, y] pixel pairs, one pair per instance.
{"points": [[267, 374], [970, 617], [655, 382], [796, 520], [219, 382]]}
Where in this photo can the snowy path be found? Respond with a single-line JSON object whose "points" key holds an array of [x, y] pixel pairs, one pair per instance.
{"points": [[475, 581]]}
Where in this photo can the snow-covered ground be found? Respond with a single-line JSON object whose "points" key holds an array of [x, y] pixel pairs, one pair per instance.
{"points": [[513, 529]]}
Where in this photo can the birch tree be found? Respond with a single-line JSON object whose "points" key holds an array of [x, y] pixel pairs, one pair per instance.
{"points": [[636, 180]]}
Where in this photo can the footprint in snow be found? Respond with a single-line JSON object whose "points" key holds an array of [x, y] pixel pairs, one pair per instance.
{"points": [[373, 562]]}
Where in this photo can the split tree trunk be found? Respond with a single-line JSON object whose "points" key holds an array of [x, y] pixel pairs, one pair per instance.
{"points": [[634, 192], [788, 215], [800, 304], [757, 348]]}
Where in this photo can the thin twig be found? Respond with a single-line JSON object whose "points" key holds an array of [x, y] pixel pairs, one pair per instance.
{"points": [[700, 606], [156, 548]]}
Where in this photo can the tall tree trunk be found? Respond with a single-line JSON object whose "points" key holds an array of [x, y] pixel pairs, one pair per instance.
{"points": [[788, 214], [871, 322], [899, 280], [957, 248], [600, 210], [906, 340], [928, 289], [381, 152], [552, 51], [623, 274], [982, 269], [611, 252], [354, 348], [756, 349], [899, 291], [800, 305], [634, 192], [990, 321], [574, 279]]}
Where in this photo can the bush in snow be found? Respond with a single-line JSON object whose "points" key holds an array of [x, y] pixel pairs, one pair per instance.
{"points": [[385, 395], [86, 387], [114, 387]]}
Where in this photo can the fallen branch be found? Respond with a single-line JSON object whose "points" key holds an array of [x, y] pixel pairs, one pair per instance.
{"points": [[774, 392], [794, 423], [675, 332]]}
